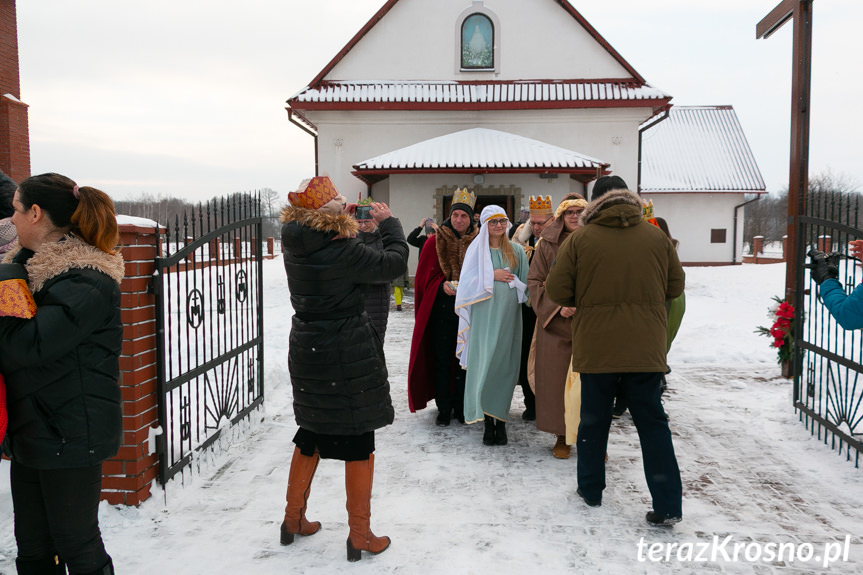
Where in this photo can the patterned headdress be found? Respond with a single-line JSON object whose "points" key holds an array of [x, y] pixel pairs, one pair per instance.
{"points": [[313, 193], [540, 206], [463, 199]]}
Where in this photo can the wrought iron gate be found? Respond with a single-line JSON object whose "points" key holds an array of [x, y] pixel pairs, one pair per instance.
{"points": [[209, 325], [828, 387]]}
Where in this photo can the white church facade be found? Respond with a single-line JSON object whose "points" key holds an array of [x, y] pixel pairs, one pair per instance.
{"points": [[510, 98]]}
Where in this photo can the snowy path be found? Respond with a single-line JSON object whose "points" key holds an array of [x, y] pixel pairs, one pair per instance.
{"points": [[451, 505]]}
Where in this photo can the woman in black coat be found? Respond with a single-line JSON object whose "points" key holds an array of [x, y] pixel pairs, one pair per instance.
{"points": [[336, 359], [62, 371]]}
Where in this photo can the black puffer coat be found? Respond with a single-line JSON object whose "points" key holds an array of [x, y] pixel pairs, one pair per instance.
{"points": [[377, 294], [62, 366], [336, 359]]}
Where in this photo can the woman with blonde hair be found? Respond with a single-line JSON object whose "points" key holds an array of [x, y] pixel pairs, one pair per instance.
{"points": [[62, 368], [488, 302]]}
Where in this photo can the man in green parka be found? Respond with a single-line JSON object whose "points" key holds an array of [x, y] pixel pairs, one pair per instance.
{"points": [[618, 272]]}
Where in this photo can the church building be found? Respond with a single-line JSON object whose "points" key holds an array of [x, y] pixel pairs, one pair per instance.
{"points": [[510, 98]]}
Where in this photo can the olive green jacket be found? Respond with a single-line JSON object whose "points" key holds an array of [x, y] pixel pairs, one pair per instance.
{"points": [[617, 271]]}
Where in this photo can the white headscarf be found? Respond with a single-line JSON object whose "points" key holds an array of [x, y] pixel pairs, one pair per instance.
{"points": [[476, 280]]}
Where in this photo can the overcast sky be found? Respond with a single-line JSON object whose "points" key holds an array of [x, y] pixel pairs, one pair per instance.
{"points": [[186, 97]]}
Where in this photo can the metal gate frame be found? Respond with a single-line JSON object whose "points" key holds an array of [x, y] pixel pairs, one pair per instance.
{"points": [[196, 340], [828, 360]]}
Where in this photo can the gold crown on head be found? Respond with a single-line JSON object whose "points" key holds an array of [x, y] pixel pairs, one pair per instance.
{"points": [[647, 211], [540, 205], [464, 196]]}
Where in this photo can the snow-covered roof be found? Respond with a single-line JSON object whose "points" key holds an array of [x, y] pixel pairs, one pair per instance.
{"points": [[570, 94], [480, 150], [698, 149]]}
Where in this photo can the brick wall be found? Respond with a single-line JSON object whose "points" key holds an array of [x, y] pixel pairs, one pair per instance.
{"points": [[127, 478], [14, 125]]}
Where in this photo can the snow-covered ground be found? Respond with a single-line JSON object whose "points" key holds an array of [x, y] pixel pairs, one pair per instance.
{"points": [[753, 476]]}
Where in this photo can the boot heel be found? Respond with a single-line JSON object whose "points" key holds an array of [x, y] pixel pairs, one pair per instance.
{"points": [[286, 537], [353, 554]]}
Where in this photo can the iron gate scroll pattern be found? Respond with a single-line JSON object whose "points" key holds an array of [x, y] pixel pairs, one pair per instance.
{"points": [[209, 314], [828, 387]]}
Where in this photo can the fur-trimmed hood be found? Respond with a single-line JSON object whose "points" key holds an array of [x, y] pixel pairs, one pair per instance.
{"points": [[55, 258], [615, 208], [299, 225]]}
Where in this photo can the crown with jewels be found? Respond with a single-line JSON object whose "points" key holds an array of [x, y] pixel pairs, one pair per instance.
{"points": [[540, 205], [647, 211], [464, 196]]}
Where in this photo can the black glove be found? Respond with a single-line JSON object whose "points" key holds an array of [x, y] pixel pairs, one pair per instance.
{"points": [[823, 266]]}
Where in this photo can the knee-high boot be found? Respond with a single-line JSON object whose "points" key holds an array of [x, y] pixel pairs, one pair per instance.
{"points": [[358, 488], [299, 485]]}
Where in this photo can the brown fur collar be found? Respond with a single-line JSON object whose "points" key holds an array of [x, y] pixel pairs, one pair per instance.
{"points": [[614, 197], [342, 224], [55, 258], [451, 250]]}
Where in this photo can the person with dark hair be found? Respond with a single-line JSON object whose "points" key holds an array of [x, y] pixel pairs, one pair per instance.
{"points": [[605, 184], [336, 360], [417, 238], [377, 294], [7, 229], [618, 340], [62, 368], [433, 372]]}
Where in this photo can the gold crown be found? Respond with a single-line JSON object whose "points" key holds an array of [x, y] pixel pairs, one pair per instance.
{"points": [[464, 196], [366, 202], [540, 205], [647, 211]]}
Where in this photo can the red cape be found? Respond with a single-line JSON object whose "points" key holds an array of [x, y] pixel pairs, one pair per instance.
{"points": [[421, 368]]}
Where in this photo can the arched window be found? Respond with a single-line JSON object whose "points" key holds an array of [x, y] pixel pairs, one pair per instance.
{"points": [[477, 43]]}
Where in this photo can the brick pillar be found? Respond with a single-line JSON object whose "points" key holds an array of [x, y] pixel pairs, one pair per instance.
{"points": [[271, 247], [238, 250], [14, 126], [126, 479], [825, 243], [757, 245]]}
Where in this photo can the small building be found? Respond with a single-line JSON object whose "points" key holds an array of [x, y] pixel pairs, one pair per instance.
{"points": [[507, 97], [697, 169]]}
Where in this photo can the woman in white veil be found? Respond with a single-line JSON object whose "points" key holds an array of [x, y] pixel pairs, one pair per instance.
{"points": [[490, 291]]}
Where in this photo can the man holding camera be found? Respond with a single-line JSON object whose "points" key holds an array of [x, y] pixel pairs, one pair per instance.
{"points": [[846, 309]]}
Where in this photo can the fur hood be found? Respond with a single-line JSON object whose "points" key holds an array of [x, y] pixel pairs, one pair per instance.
{"points": [[343, 225], [57, 258], [614, 198]]}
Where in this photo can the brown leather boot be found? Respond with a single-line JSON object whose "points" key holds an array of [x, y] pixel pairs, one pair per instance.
{"points": [[561, 449], [358, 488], [299, 484]]}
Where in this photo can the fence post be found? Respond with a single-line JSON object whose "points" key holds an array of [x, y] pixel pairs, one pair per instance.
{"points": [[757, 245], [127, 478]]}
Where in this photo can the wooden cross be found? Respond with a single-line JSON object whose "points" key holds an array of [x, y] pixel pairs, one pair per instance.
{"points": [[801, 12]]}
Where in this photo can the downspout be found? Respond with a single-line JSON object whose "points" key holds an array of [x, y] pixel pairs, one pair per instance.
{"points": [[641, 131], [734, 236], [310, 132]]}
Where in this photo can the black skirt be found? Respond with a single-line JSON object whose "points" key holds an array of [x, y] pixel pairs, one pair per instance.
{"points": [[343, 447]]}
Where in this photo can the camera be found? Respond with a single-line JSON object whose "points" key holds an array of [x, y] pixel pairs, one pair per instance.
{"points": [[363, 213]]}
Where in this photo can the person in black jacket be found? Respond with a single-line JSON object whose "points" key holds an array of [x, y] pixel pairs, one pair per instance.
{"points": [[377, 294], [335, 359], [62, 372]]}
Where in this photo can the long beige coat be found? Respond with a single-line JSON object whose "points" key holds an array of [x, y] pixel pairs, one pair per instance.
{"points": [[553, 334]]}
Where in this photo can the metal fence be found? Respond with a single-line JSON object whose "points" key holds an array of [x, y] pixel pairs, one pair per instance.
{"points": [[209, 320], [828, 361]]}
